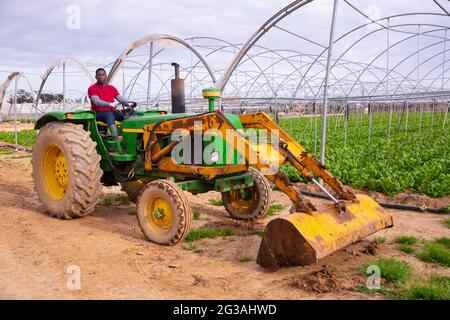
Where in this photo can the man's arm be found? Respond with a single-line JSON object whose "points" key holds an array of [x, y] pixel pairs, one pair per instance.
{"points": [[118, 97], [101, 103], [121, 99]]}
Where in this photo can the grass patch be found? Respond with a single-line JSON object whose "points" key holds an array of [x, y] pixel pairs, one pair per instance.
{"points": [[390, 293], [402, 286], [208, 233], [23, 156], [191, 246], [132, 213], [392, 270], [5, 152], [274, 209], [379, 240], [258, 232], [441, 281], [107, 201], [436, 253], [408, 240], [216, 202], [406, 248], [245, 259], [115, 200], [426, 292], [436, 288], [447, 222], [445, 241], [196, 214]]}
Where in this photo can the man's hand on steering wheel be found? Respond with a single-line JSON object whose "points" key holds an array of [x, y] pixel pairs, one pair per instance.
{"points": [[129, 105], [127, 109]]}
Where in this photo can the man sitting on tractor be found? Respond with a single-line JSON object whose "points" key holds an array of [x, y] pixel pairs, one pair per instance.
{"points": [[102, 97]]}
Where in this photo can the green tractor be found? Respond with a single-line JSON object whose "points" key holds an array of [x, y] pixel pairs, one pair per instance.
{"points": [[75, 155], [160, 155]]}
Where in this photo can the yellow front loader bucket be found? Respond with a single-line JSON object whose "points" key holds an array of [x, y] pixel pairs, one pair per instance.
{"points": [[315, 230], [303, 238]]}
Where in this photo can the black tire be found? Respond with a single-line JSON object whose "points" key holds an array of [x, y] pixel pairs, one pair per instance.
{"points": [[80, 192], [254, 202], [168, 196]]}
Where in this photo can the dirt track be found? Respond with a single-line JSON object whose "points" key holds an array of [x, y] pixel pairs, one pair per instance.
{"points": [[116, 262]]}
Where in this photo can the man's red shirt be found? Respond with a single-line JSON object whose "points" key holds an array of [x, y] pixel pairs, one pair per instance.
{"points": [[106, 93]]}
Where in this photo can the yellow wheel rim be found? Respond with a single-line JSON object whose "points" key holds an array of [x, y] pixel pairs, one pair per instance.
{"points": [[158, 214], [243, 200], [55, 172]]}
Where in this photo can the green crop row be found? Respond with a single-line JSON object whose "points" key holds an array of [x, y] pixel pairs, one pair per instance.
{"points": [[415, 157], [24, 137]]}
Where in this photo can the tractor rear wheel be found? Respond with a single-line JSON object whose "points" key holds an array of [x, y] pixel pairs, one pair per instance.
{"points": [[163, 212], [66, 170], [251, 203]]}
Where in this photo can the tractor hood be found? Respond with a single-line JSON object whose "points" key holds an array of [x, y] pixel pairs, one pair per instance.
{"points": [[139, 122]]}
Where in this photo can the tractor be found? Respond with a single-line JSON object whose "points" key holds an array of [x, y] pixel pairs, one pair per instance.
{"points": [[160, 155]]}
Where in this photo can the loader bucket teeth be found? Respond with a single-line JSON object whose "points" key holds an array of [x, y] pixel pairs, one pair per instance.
{"points": [[302, 238]]}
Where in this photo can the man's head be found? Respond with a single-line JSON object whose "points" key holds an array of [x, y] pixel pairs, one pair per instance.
{"points": [[100, 76]]}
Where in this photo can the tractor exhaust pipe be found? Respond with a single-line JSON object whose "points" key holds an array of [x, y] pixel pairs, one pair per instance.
{"points": [[177, 88]]}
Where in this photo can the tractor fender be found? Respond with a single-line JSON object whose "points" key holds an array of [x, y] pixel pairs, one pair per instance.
{"points": [[69, 116]]}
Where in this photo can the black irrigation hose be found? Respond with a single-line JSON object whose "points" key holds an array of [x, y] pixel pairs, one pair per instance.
{"points": [[384, 204], [412, 208]]}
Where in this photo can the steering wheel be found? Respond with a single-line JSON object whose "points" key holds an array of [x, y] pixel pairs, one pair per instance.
{"points": [[129, 105]]}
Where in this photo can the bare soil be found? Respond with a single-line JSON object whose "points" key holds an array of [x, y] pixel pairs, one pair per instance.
{"points": [[116, 261]]}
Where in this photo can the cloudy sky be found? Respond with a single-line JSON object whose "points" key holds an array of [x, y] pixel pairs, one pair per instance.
{"points": [[35, 33]]}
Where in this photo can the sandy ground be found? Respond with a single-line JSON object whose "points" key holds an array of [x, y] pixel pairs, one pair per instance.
{"points": [[116, 262]]}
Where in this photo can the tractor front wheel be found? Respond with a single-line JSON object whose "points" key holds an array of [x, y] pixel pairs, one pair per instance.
{"points": [[249, 203], [163, 212], [66, 170]]}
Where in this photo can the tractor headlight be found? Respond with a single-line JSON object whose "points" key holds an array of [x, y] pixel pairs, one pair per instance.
{"points": [[215, 156]]}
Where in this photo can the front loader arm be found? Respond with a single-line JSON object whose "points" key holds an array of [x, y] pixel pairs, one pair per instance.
{"points": [[296, 154], [256, 155], [217, 121]]}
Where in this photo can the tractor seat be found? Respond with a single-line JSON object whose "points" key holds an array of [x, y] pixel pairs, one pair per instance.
{"points": [[104, 124]]}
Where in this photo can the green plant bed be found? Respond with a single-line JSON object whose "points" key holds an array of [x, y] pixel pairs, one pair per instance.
{"points": [[413, 159]]}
